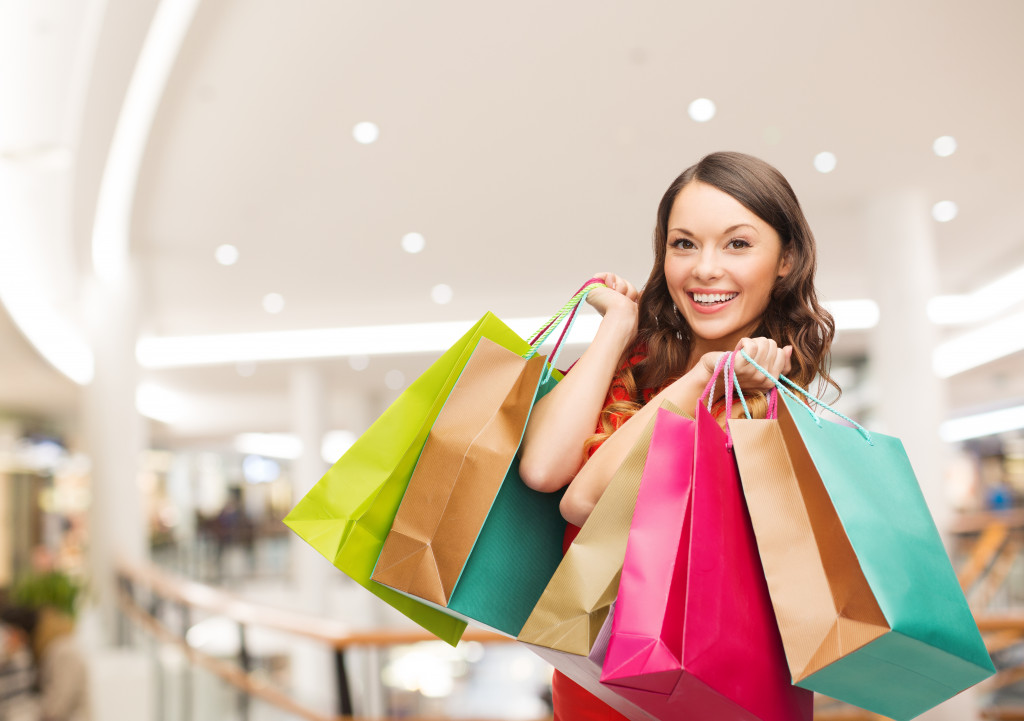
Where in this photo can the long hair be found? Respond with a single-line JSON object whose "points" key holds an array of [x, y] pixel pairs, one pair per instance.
{"points": [[793, 315]]}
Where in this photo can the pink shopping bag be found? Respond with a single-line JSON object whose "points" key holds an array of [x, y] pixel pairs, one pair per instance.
{"points": [[717, 619], [645, 650]]}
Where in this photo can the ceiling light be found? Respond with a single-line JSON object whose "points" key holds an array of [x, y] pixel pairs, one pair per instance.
{"points": [[359, 362], [159, 403], [944, 146], [202, 350], [335, 444], [825, 162], [944, 211], [257, 469], [273, 302], [394, 379], [226, 254], [274, 445], [988, 343], [702, 110], [413, 242], [859, 314], [365, 133], [116, 197], [983, 303], [441, 294], [982, 424]]}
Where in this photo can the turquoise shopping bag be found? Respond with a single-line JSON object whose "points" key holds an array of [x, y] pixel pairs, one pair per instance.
{"points": [[927, 648]]}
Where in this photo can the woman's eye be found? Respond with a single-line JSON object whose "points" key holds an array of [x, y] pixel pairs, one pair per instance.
{"points": [[737, 243], [683, 243]]}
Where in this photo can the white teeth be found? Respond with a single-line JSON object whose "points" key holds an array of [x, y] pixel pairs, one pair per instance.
{"points": [[713, 297]]}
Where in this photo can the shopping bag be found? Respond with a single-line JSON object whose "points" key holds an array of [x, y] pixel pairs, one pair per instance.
{"points": [[586, 670], [866, 598], [457, 540], [571, 610], [347, 514], [645, 649], [729, 659]]}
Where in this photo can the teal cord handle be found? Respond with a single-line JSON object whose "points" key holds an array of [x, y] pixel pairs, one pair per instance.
{"points": [[863, 431], [736, 383]]}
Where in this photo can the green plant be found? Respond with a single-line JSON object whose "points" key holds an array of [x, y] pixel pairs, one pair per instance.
{"points": [[54, 588]]}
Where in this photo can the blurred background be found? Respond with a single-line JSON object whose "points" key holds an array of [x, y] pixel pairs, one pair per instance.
{"points": [[233, 231]]}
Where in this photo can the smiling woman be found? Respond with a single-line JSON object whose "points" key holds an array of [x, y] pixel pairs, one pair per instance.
{"points": [[734, 268]]}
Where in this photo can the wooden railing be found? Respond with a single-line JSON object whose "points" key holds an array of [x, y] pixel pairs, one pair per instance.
{"points": [[159, 589], [994, 541]]}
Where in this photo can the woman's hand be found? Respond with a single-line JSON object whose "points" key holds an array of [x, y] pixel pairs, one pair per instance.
{"points": [[619, 296], [767, 354], [764, 351]]}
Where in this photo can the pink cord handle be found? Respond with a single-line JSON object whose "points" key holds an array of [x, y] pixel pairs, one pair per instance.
{"points": [[709, 390], [555, 319]]}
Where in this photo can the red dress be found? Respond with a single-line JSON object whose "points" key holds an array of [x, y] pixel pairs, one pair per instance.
{"points": [[570, 700]]}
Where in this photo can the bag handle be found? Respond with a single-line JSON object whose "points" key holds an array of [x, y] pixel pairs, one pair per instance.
{"points": [[567, 312], [545, 330], [782, 381], [732, 381]]}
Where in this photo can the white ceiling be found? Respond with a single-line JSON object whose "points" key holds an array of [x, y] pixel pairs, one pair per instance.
{"points": [[530, 145]]}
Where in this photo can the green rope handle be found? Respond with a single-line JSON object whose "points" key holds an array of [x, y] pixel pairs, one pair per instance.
{"points": [[863, 431], [567, 311], [554, 321]]}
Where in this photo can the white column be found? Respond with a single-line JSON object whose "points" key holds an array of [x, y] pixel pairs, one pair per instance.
{"points": [[909, 400], [116, 436], [312, 664]]}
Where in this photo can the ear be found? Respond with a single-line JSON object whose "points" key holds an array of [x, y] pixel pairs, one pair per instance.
{"points": [[785, 264]]}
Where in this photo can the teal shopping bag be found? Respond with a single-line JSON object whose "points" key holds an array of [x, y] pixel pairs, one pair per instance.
{"points": [[927, 648], [470, 537]]}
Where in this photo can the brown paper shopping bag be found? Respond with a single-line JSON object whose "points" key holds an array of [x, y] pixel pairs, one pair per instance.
{"points": [[459, 473], [828, 608], [573, 607]]}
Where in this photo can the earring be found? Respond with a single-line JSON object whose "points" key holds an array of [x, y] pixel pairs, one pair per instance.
{"points": [[679, 333], [675, 310]]}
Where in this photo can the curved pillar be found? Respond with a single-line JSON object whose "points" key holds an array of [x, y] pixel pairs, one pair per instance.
{"points": [[116, 436]]}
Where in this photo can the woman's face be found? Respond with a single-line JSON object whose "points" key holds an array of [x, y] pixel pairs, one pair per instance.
{"points": [[720, 265]]}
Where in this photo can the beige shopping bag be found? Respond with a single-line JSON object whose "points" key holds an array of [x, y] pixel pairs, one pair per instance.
{"points": [[459, 473], [823, 603], [573, 607]]}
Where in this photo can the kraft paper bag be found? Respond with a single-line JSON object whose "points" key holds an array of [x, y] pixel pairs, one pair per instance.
{"points": [[733, 665], [865, 596], [586, 670], [451, 511], [571, 610], [346, 516]]}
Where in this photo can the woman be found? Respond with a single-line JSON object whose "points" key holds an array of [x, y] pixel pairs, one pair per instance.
{"points": [[734, 269]]}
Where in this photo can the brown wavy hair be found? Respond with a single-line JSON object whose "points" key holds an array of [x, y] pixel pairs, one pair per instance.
{"points": [[793, 315]]}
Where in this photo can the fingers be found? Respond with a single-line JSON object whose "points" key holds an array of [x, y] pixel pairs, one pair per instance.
{"points": [[618, 284], [766, 353]]}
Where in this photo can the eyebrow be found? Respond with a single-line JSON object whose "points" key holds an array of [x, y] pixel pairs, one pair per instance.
{"points": [[728, 230]]}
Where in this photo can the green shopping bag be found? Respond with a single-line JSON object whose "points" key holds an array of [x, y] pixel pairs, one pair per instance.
{"points": [[457, 540], [925, 647], [347, 515]]}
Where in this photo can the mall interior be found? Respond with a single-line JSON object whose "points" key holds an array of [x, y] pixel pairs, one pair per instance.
{"points": [[234, 232]]}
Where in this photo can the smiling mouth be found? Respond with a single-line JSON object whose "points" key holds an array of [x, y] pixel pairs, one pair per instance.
{"points": [[712, 299]]}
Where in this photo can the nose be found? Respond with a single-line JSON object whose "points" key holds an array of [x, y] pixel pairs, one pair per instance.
{"points": [[708, 264]]}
